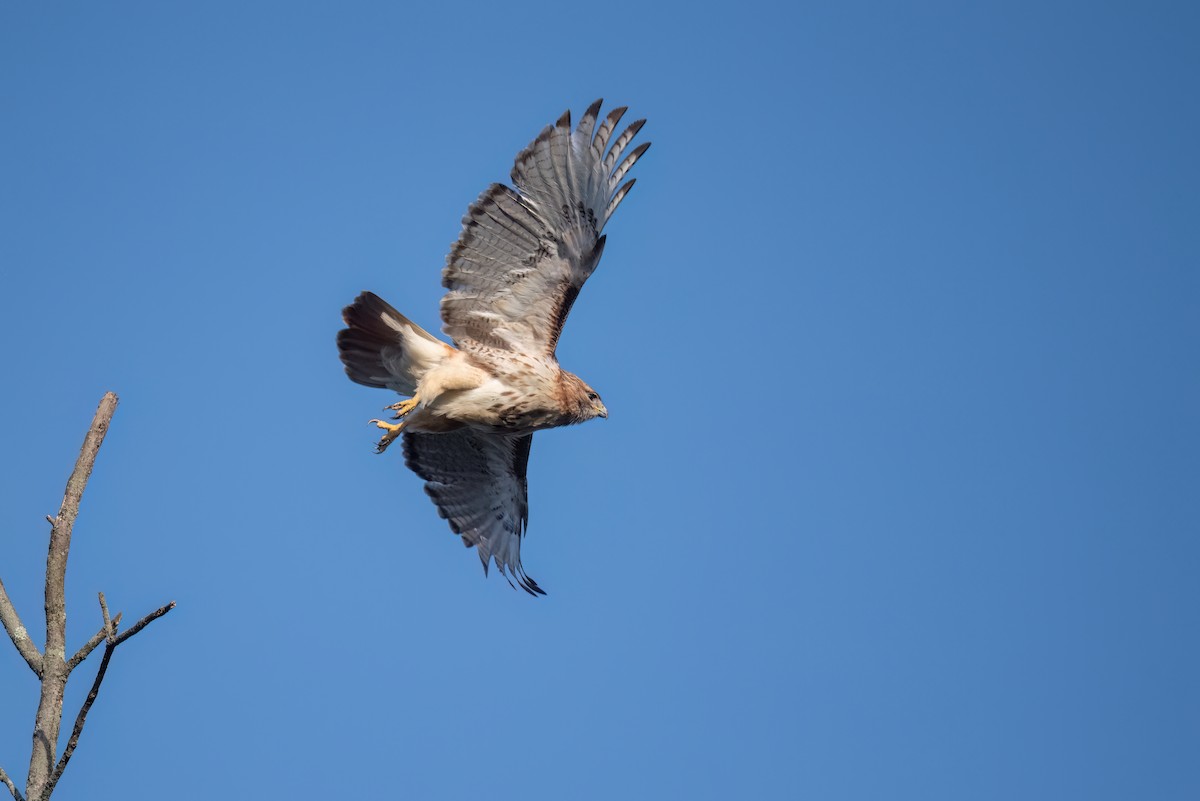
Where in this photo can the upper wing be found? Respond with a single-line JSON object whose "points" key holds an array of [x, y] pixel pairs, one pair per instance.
{"points": [[478, 482], [523, 255]]}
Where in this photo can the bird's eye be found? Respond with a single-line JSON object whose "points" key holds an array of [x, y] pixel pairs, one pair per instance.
{"points": [[593, 396]]}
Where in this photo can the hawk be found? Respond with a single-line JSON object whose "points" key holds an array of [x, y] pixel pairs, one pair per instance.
{"points": [[471, 410]]}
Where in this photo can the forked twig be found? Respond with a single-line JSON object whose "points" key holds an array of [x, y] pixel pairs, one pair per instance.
{"points": [[112, 641]]}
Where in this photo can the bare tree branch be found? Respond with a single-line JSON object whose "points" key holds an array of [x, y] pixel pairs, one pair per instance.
{"points": [[86, 649], [112, 642], [64, 524], [12, 788], [141, 624], [18, 634], [79, 720], [109, 631], [54, 665], [51, 664]]}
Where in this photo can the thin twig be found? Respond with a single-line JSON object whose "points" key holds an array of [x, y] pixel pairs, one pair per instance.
{"points": [[109, 632], [146, 621], [12, 788], [86, 649], [109, 648], [18, 634]]}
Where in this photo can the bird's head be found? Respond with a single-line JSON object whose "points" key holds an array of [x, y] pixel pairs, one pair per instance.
{"points": [[582, 402]]}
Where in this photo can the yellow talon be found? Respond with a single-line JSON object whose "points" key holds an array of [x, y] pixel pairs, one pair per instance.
{"points": [[392, 431], [404, 407]]}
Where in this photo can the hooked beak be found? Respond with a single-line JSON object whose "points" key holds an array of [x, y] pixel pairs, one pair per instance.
{"points": [[600, 410]]}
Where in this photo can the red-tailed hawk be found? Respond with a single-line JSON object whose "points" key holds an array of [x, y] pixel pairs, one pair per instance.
{"points": [[516, 269]]}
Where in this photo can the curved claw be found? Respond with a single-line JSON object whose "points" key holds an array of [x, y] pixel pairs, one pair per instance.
{"points": [[403, 408], [391, 432]]}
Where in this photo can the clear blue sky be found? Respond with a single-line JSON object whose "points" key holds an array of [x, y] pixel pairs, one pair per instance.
{"points": [[898, 332]]}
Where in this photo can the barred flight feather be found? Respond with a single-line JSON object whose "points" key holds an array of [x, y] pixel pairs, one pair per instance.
{"points": [[521, 250]]}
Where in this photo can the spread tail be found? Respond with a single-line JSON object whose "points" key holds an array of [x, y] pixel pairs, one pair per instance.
{"points": [[380, 347]]}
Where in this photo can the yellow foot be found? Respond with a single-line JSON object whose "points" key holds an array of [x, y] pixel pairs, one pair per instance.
{"points": [[390, 434], [403, 408]]}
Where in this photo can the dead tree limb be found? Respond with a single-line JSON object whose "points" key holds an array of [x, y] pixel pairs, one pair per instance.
{"points": [[12, 788], [112, 640], [18, 634], [51, 665]]}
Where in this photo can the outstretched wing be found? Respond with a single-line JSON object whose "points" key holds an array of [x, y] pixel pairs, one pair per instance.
{"points": [[524, 254], [477, 481]]}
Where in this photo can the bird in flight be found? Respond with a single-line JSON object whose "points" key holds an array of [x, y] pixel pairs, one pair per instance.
{"points": [[471, 410]]}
